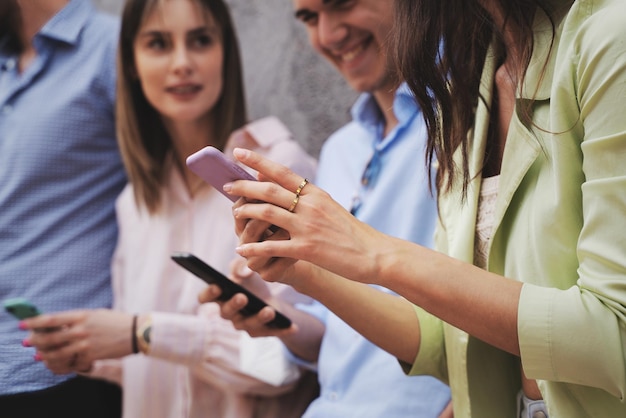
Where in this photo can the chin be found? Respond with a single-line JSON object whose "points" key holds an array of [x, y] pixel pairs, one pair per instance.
{"points": [[362, 86]]}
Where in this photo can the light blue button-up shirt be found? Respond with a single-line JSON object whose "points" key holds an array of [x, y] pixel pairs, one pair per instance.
{"points": [[60, 172], [357, 378]]}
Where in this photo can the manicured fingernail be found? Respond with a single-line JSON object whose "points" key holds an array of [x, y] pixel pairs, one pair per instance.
{"points": [[227, 187], [37, 357], [22, 325], [26, 343], [240, 152], [236, 212]]}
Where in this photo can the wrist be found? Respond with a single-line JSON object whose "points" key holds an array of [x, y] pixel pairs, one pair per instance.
{"points": [[143, 333], [133, 335]]}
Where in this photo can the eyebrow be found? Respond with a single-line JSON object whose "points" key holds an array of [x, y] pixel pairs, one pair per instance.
{"points": [[195, 31], [202, 29], [306, 12], [300, 13]]}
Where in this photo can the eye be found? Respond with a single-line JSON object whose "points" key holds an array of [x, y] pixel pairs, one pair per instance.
{"points": [[201, 41], [308, 18], [157, 43]]}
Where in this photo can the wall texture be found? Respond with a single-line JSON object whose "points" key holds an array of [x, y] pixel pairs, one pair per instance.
{"points": [[283, 75]]}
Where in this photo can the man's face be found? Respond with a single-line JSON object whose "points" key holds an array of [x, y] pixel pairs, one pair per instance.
{"points": [[352, 35]]}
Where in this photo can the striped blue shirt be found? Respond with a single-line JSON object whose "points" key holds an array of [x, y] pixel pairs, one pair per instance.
{"points": [[60, 171]]}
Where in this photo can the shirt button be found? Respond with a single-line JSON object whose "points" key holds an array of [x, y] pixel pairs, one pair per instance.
{"points": [[333, 396], [9, 65], [539, 414]]}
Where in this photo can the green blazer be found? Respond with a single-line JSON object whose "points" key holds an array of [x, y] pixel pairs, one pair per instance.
{"points": [[560, 227]]}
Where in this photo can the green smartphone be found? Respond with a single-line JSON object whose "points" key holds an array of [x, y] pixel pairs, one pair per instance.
{"points": [[20, 308]]}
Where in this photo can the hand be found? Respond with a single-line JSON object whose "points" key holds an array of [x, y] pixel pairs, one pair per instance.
{"points": [[255, 325], [77, 338], [319, 230], [256, 230]]}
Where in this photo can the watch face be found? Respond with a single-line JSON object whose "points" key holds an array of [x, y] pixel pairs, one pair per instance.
{"points": [[146, 334]]}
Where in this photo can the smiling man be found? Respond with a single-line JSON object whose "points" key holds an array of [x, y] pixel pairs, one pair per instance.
{"points": [[364, 166]]}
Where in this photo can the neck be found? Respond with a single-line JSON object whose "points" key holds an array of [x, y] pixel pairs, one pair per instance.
{"points": [[35, 14], [384, 98], [511, 32], [187, 138]]}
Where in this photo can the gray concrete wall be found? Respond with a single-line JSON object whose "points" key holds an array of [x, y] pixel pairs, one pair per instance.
{"points": [[283, 75]]}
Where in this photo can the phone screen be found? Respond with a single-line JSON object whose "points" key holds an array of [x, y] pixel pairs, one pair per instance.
{"points": [[20, 308]]}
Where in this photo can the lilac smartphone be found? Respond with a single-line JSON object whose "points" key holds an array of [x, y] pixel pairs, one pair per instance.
{"points": [[211, 165]]}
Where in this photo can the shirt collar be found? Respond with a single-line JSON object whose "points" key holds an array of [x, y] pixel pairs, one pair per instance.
{"points": [[539, 74], [69, 22], [366, 112], [4, 57]]}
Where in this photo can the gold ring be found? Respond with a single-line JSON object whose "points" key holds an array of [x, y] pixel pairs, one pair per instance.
{"points": [[300, 187], [294, 203]]}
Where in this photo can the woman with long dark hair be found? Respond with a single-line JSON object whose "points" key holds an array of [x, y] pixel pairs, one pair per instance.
{"points": [[523, 308]]}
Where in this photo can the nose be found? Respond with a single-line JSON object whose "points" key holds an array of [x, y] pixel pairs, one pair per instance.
{"points": [[331, 31], [181, 61]]}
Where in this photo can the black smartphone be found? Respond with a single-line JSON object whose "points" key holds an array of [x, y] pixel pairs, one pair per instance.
{"points": [[229, 288]]}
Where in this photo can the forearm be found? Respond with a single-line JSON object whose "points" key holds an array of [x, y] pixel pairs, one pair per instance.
{"points": [[210, 347], [306, 341], [481, 303], [380, 317]]}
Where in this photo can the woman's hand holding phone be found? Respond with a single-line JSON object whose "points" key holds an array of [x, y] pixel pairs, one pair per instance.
{"points": [[79, 338]]}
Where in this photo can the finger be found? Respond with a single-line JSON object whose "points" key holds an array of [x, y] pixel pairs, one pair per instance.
{"points": [[240, 270], [259, 192], [71, 364], [256, 325], [259, 263], [268, 169], [62, 356], [240, 224], [50, 340], [274, 271], [57, 368], [264, 213], [52, 320], [230, 309], [210, 294], [255, 230]]}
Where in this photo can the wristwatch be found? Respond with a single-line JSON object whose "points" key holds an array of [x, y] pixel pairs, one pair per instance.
{"points": [[143, 335]]}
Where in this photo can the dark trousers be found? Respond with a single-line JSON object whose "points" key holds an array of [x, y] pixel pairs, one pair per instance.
{"points": [[79, 397]]}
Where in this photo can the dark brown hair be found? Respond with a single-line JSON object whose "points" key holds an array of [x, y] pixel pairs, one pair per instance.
{"points": [[10, 25], [144, 141], [440, 48]]}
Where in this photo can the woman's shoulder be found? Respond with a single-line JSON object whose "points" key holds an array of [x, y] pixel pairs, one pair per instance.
{"points": [[272, 139], [597, 18], [126, 207]]}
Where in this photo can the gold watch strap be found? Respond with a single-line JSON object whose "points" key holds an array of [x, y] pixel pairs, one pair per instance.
{"points": [[143, 335]]}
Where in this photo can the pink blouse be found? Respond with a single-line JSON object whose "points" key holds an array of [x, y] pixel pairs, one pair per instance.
{"points": [[193, 368]]}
